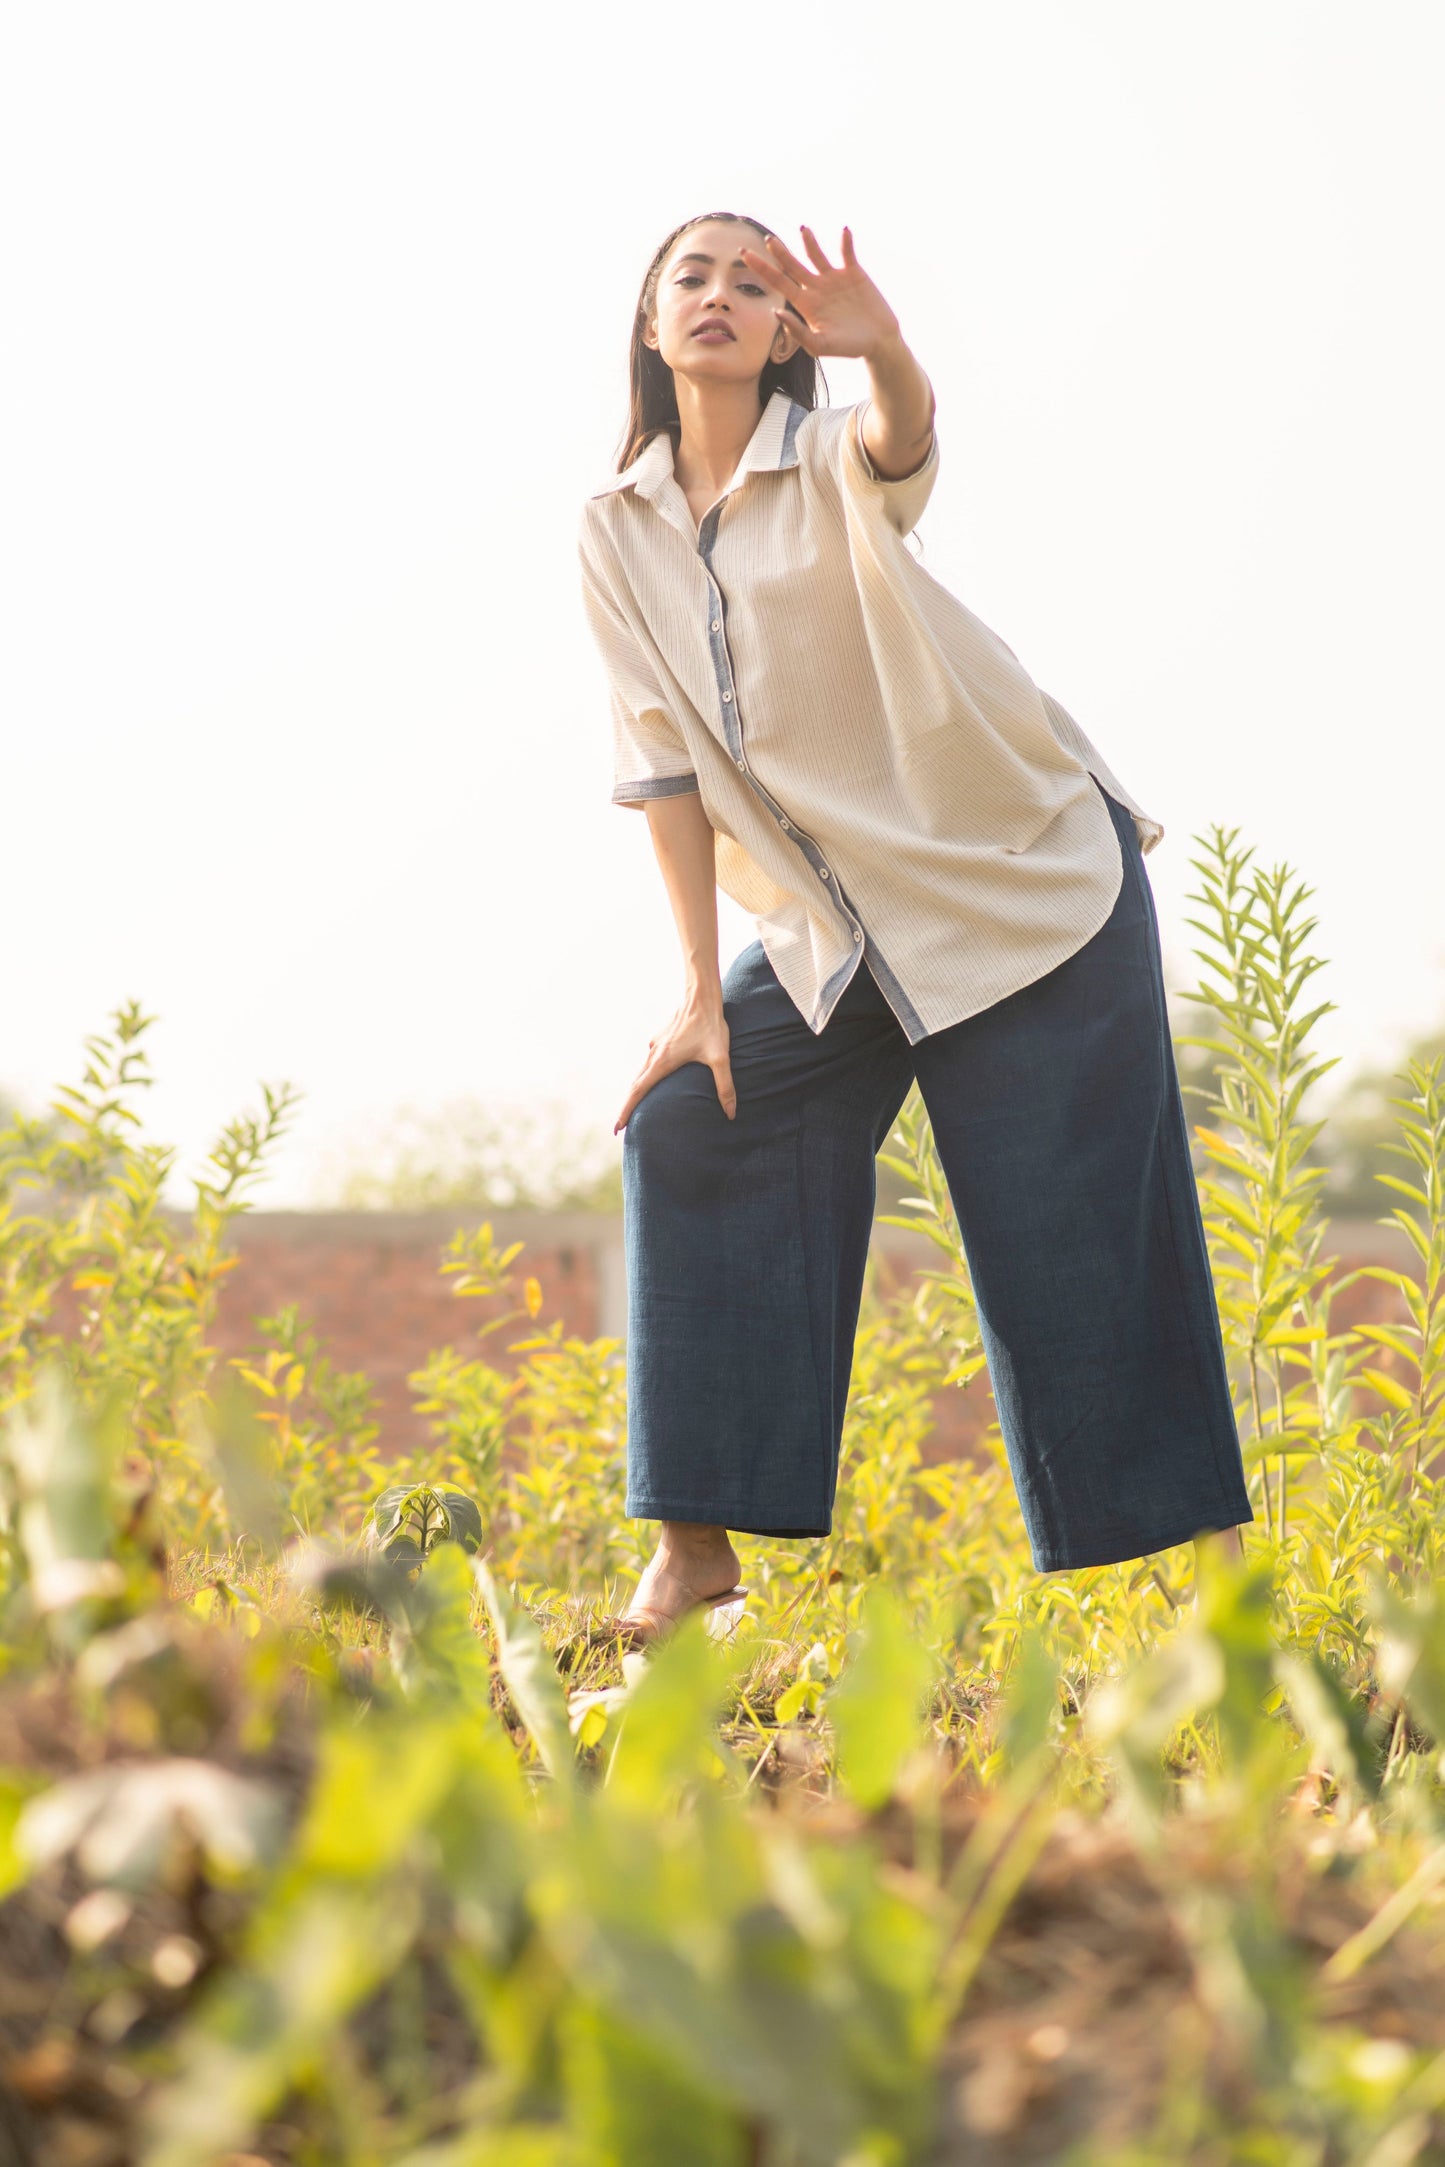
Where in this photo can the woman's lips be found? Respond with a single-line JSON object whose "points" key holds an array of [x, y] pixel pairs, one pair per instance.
{"points": [[714, 334]]}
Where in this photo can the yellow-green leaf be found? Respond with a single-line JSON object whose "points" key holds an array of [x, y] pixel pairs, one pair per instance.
{"points": [[1390, 1390], [593, 1726], [803, 1692]]}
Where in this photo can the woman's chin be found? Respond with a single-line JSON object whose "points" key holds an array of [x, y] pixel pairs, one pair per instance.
{"points": [[716, 365]]}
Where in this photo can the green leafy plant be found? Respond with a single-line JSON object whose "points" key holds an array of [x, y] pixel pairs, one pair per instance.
{"points": [[405, 1524], [330, 1829]]}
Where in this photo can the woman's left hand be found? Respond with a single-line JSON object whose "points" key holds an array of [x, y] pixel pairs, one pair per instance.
{"points": [[843, 313]]}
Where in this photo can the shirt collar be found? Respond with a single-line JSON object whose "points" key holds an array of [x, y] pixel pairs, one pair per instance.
{"points": [[772, 446]]}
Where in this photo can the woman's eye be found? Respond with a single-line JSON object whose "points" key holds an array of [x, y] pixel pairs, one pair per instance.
{"points": [[689, 278], [750, 289]]}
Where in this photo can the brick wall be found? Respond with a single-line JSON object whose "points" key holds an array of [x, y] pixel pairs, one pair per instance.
{"points": [[370, 1285]]}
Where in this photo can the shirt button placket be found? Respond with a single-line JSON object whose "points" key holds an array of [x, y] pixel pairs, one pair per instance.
{"points": [[722, 667], [721, 661]]}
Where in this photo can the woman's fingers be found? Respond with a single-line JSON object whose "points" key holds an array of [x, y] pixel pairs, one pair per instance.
{"points": [[783, 256], [671, 1052], [796, 325], [850, 260], [642, 1083], [768, 272], [722, 1076], [639, 1091], [810, 242]]}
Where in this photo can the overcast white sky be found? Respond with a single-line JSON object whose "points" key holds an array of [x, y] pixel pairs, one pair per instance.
{"points": [[317, 323]]}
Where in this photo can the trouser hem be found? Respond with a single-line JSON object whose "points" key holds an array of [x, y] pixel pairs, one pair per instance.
{"points": [[710, 1514], [1123, 1549]]}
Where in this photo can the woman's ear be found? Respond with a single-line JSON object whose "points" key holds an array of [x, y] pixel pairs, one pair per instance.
{"points": [[785, 344], [649, 333]]}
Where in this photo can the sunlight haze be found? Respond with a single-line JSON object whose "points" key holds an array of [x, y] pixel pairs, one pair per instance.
{"points": [[317, 339]]}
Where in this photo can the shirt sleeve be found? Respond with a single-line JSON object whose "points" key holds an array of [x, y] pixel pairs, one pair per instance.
{"points": [[903, 500], [650, 758]]}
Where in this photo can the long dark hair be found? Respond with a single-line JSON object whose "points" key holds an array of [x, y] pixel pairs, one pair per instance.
{"points": [[652, 401]]}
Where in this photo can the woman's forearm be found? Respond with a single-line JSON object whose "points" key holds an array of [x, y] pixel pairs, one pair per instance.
{"points": [[682, 837], [898, 426]]}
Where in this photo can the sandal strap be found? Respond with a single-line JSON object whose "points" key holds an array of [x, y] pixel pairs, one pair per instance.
{"points": [[664, 1620]]}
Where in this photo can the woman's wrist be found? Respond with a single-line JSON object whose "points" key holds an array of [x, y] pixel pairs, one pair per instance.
{"points": [[702, 993], [887, 350]]}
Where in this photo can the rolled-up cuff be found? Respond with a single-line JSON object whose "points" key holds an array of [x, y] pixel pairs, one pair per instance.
{"points": [[904, 496], [653, 786]]}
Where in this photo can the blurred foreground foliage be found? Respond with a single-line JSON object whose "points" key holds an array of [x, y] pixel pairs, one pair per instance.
{"points": [[331, 1831]]}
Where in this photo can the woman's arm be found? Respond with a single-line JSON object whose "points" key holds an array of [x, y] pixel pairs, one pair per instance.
{"points": [[898, 426], [682, 837], [837, 309]]}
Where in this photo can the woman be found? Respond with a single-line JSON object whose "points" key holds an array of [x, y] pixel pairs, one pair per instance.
{"points": [[948, 884]]}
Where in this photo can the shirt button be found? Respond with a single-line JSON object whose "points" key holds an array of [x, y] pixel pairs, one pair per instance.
{"points": [[743, 765], [822, 872], [726, 697], [786, 827], [716, 625], [857, 936]]}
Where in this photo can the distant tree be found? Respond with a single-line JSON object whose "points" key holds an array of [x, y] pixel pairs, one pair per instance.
{"points": [[471, 1155], [1359, 1126]]}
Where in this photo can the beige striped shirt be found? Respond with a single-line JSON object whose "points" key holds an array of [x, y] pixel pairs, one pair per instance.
{"points": [[883, 775]]}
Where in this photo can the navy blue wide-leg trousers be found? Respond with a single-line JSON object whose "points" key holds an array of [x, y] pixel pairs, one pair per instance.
{"points": [[1061, 1132]]}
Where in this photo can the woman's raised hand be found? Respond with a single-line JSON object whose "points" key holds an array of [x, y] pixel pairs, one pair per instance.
{"points": [[842, 311], [693, 1033]]}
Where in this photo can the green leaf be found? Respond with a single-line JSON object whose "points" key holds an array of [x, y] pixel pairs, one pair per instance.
{"points": [[593, 1727], [1385, 1335], [1031, 1702], [463, 1516], [629, 2100], [435, 1647], [1404, 1188], [666, 1736], [530, 1677], [1140, 1709], [17, 1787], [132, 1823], [524, 2144], [802, 1693], [1333, 1720], [875, 1706], [1390, 1390]]}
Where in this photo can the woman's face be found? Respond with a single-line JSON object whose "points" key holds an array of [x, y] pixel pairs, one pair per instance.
{"points": [[713, 319]]}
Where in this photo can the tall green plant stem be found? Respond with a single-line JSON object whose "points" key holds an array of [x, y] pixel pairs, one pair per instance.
{"points": [[1260, 1192]]}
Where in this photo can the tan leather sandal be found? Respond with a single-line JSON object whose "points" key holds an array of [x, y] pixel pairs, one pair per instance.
{"points": [[634, 1629]]}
